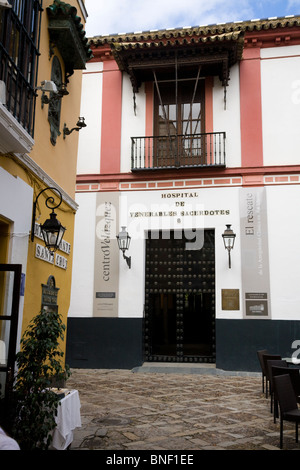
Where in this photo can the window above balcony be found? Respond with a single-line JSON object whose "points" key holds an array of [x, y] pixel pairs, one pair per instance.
{"points": [[177, 64], [180, 139]]}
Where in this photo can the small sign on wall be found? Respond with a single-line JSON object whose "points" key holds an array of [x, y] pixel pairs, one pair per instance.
{"points": [[230, 299], [257, 304], [41, 252], [49, 295]]}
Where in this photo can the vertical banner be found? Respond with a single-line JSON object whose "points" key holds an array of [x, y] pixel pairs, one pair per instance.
{"points": [[106, 275], [255, 253]]}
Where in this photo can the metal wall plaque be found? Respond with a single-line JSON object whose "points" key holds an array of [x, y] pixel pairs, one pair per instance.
{"points": [[257, 304], [49, 295], [230, 299]]}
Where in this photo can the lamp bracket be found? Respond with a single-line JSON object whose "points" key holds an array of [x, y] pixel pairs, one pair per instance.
{"points": [[80, 124], [49, 200], [56, 95], [128, 260]]}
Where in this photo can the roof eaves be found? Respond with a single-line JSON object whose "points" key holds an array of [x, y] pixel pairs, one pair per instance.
{"points": [[204, 30]]}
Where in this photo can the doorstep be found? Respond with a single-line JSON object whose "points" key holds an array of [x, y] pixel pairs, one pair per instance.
{"points": [[179, 368]]}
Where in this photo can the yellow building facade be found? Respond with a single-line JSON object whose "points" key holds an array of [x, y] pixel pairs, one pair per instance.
{"points": [[39, 125]]}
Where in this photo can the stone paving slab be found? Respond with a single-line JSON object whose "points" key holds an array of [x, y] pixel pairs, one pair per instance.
{"points": [[174, 410]]}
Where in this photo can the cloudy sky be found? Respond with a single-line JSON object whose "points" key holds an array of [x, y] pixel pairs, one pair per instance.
{"points": [[120, 16]]}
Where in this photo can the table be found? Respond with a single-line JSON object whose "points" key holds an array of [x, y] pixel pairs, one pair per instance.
{"points": [[292, 360], [68, 418]]}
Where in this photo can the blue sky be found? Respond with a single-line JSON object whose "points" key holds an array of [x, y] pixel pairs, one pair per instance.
{"points": [[120, 16]]}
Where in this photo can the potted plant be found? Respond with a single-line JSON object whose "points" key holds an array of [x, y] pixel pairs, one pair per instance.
{"points": [[39, 363]]}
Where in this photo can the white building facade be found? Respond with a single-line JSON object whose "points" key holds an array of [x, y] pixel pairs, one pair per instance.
{"points": [[189, 131]]}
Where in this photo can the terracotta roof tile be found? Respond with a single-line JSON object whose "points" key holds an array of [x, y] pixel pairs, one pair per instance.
{"points": [[216, 30]]}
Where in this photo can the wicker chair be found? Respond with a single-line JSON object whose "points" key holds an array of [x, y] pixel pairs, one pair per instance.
{"points": [[287, 403]]}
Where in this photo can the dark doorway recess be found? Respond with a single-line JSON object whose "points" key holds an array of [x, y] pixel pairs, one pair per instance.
{"points": [[10, 291], [180, 297]]}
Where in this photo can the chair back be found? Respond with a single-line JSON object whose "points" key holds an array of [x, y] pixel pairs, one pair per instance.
{"points": [[285, 393], [260, 358], [293, 373], [270, 357], [275, 364]]}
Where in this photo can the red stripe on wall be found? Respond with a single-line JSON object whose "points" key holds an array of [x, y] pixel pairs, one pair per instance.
{"points": [[149, 108], [149, 120], [209, 126], [111, 118], [251, 117]]}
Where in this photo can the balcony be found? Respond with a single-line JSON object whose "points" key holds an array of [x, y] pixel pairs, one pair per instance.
{"points": [[178, 151]]}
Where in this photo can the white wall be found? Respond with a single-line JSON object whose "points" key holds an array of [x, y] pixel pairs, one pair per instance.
{"points": [[16, 199], [133, 125], [82, 292], [131, 281], [281, 105], [284, 251], [284, 247], [89, 146], [228, 119]]}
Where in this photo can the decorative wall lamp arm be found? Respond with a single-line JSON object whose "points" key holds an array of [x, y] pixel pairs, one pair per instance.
{"points": [[80, 124], [58, 95], [124, 241], [229, 238], [48, 85], [52, 230]]}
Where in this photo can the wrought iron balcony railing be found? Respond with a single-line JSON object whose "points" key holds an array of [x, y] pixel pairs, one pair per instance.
{"points": [[178, 151], [19, 53]]}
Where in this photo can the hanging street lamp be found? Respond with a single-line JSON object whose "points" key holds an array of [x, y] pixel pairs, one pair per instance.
{"points": [[52, 230]]}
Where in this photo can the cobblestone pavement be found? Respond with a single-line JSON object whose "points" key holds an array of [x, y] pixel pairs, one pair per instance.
{"points": [[124, 410]]}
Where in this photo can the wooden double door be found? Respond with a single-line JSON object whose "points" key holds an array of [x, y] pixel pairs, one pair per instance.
{"points": [[179, 298]]}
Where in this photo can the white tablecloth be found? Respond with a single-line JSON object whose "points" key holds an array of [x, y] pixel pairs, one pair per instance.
{"points": [[292, 360], [68, 418]]}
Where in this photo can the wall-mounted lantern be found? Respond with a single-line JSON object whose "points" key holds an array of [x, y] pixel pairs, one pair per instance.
{"points": [[47, 86], [80, 124], [229, 238], [52, 230], [5, 4], [124, 241], [56, 95]]}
